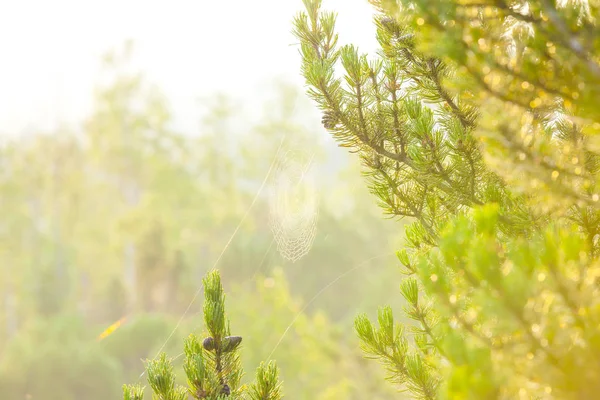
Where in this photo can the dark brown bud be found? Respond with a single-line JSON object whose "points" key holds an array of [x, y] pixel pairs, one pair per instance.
{"points": [[225, 390], [230, 343], [209, 344], [329, 120]]}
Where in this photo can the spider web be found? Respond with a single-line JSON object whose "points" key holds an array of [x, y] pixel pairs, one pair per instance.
{"points": [[294, 206], [294, 228]]}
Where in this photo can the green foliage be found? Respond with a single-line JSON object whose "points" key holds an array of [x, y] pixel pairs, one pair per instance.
{"points": [[212, 368], [31, 363], [266, 386], [530, 307], [388, 343], [535, 67], [162, 380], [478, 121], [131, 392], [419, 154]]}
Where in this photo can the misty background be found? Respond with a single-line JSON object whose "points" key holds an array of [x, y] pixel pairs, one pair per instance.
{"points": [[135, 139], [50, 52]]}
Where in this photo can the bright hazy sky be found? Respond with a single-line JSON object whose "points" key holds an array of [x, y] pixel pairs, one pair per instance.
{"points": [[50, 51]]}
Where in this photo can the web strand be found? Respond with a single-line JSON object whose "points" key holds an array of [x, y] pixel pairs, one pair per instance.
{"points": [[358, 266], [320, 292], [222, 251]]}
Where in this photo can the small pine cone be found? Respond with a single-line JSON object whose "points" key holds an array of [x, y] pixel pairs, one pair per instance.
{"points": [[377, 161], [231, 343], [226, 391], [329, 120], [209, 343]]}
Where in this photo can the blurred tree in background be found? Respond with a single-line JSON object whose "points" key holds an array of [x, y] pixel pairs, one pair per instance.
{"points": [[478, 119], [114, 224]]}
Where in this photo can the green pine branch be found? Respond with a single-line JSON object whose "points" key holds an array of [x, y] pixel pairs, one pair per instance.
{"points": [[212, 365], [479, 121]]}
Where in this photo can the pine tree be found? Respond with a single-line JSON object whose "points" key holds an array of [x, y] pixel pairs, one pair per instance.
{"points": [[212, 365], [477, 120], [535, 67]]}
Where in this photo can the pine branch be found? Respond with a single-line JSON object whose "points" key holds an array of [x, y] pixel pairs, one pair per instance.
{"points": [[212, 365]]}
